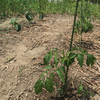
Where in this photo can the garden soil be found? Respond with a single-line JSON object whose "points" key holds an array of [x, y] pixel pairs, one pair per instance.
{"points": [[21, 58]]}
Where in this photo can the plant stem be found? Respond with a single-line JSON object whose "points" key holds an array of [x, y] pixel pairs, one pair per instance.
{"points": [[73, 26], [39, 6], [81, 22]]}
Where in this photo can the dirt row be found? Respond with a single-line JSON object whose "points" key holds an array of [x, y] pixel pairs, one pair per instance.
{"points": [[25, 50]]}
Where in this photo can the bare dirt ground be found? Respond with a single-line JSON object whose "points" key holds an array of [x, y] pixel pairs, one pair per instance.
{"points": [[26, 49]]}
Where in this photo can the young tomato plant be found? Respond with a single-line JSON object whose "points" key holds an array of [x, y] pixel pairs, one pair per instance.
{"points": [[29, 16], [84, 23], [15, 24], [64, 60], [61, 66]]}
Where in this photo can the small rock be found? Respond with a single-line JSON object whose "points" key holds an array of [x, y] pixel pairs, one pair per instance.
{"points": [[21, 93], [97, 97], [30, 90], [34, 97], [26, 95]]}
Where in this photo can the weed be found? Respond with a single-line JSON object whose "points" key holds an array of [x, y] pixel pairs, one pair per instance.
{"points": [[20, 70], [8, 58]]}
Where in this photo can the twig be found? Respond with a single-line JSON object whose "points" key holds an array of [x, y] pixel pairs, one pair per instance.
{"points": [[10, 59], [88, 82]]}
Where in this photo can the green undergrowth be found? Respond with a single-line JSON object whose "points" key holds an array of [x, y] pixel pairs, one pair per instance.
{"points": [[18, 7]]}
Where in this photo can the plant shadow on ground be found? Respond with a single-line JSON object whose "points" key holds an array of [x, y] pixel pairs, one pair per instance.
{"points": [[86, 45], [31, 44]]}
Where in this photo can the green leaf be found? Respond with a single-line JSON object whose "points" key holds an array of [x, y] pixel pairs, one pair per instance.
{"points": [[68, 53], [63, 52], [29, 17], [62, 68], [75, 30], [52, 75], [88, 61], [49, 85], [20, 70], [82, 50], [42, 75], [56, 61], [27, 12], [80, 58], [17, 27], [60, 75], [52, 66], [93, 60], [90, 26], [41, 16], [46, 71], [80, 89], [47, 67], [85, 93], [38, 86], [54, 50], [68, 62], [62, 59], [13, 20], [91, 94], [47, 58], [72, 55]]}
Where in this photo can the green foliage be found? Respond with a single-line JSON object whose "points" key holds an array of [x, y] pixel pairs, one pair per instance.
{"points": [[80, 59], [28, 16], [49, 85], [17, 27], [52, 75], [60, 74], [47, 67], [47, 58], [60, 70], [70, 59], [41, 16], [80, 89], [13, 20], [20, 6], [20, 70], [15, 24], [56, 61], [85, 24], [38, 86], [90, 60]]}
